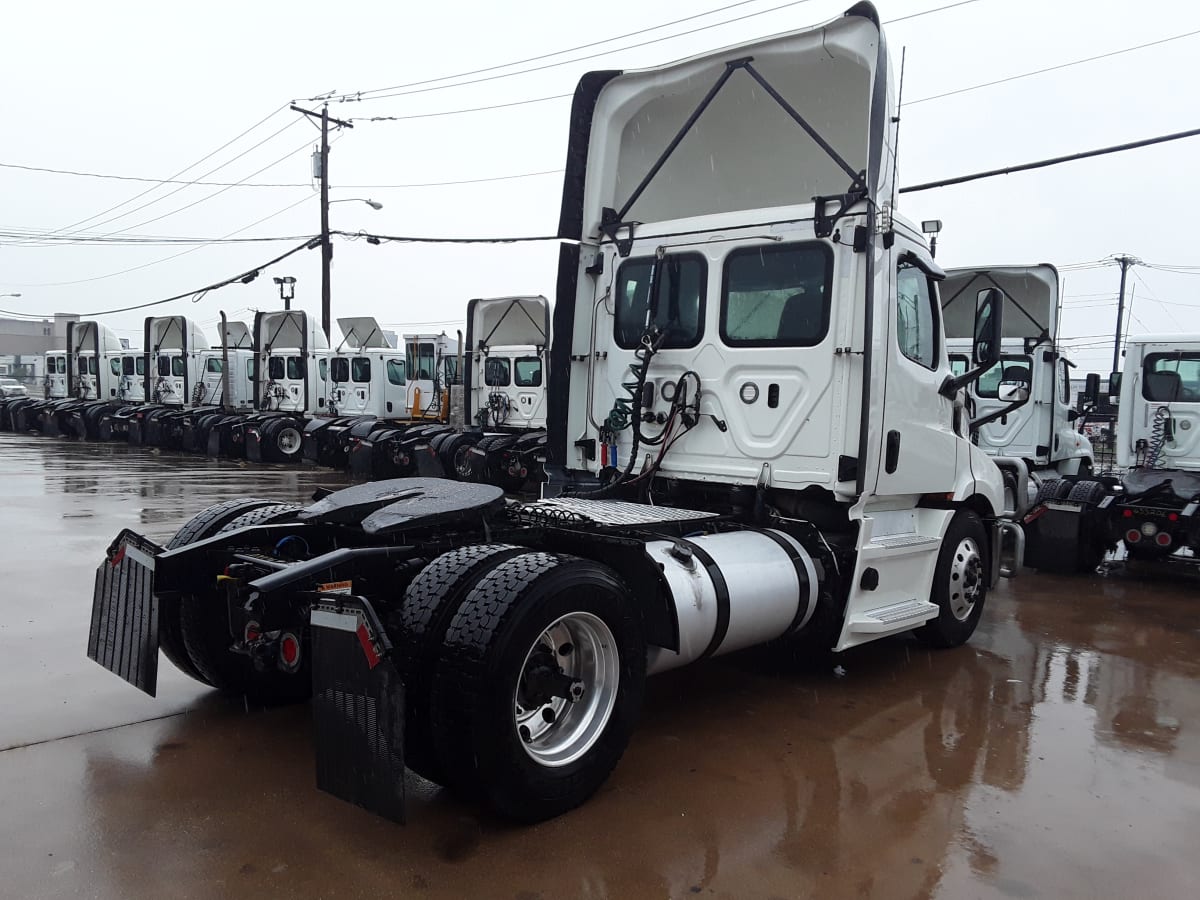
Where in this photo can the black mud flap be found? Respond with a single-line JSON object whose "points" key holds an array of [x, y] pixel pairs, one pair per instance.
{"points": [[358, 707], [124, 633]]}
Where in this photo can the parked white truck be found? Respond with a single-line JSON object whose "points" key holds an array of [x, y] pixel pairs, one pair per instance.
{"points": [[1023, 409], [754, 436], [1150, 508]]}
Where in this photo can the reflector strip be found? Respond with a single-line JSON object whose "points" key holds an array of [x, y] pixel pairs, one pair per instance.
{"points": [[364, 638]]}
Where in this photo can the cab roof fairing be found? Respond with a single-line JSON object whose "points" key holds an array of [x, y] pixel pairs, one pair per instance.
{"points": [[1031, 296], [92, 336], [278, 330], [173, 333], [744, 149]]}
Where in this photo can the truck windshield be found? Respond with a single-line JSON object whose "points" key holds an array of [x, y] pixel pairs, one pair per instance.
{"points": [[528, 372], [213, 366], [1171, 378], [1009, 368], [678, 298]]}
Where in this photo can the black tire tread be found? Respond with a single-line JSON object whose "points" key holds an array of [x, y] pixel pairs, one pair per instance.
{"points": [[204, 524], [431, 601]]}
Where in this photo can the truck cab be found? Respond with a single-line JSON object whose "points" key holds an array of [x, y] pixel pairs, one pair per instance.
{"points": [[1024, 409], [367, 376], [1158, 420], [90, 347], [291, 366], [55, 385], [508, 340], [430, 368], [132, 367], [175, 362], [236, 354]]}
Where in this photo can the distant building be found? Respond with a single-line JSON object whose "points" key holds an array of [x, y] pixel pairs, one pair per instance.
{"points": [[24, 341]]}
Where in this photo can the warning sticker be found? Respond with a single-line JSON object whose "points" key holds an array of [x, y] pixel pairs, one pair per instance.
{"points": [[335, 587]]}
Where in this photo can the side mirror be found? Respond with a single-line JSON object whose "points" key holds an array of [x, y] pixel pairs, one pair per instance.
{"points": [[1091, 389], [985, 349], [989, 327], [1012, 392], [1114, 384]]}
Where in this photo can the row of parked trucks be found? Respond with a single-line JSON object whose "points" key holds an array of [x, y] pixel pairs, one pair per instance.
{"points": [[279, 393], [760, 431]]}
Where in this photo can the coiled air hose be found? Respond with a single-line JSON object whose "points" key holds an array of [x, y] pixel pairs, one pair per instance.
{"points": [[1158, 436]]}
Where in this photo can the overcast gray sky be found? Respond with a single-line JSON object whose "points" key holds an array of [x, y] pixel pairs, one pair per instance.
{"points": [[145, 89]]}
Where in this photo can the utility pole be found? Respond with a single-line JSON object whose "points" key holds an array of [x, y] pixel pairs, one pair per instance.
{"points": [[326, 244], [1125, 262]]}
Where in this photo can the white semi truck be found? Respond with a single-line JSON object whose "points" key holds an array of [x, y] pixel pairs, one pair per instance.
{"points": [[754, 437], [1023, 409], [1150, 507], [506, 390]]}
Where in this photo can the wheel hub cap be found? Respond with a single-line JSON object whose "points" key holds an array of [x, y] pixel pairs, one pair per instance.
{"points": [[966, 578]]}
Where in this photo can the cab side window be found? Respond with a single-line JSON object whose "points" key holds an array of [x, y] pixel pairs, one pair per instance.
{"points": [[916, 316]]}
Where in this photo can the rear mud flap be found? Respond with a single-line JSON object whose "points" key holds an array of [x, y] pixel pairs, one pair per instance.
{"points": [[124, 632], [358, 707]]}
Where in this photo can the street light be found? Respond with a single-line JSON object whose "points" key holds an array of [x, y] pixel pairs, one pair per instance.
{"points": [[374, 204], [287, 290]]}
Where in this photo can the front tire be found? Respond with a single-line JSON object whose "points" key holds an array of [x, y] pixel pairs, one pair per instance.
{"points": [[538, 685], [960, 583]]}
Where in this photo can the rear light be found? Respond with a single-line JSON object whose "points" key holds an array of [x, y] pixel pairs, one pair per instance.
{"points": [[1172, 517], [1163, 539], [1133, 535], [289, 651], [1149, 529], [1128, 513], [252, 633]]}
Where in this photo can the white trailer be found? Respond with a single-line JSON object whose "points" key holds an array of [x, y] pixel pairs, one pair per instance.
{"points": [[754, 437], [1024, 412]]}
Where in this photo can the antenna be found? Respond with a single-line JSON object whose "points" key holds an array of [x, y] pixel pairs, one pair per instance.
{"points": [[896, 122]]}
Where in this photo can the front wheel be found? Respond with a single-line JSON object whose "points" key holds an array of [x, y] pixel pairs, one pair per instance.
{"points": [[960, 583], [538, 684]]}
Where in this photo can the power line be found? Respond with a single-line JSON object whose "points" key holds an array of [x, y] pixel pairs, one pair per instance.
{"points": [[459, 112], [165, 258], [244, 277], [363, 95], [132, 240], [208, 156], [1066, 65], [1052, 161]]}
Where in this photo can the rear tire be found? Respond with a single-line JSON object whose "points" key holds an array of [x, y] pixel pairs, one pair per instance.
{"points": [[500, 728], [960, 583], [419, 626], [202, 525]]}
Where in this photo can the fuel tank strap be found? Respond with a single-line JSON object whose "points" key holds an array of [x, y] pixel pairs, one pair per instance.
{"points": [[720, 592], [805, 588]]}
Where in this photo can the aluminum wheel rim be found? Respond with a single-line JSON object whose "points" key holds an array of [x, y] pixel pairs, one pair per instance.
{"points": [[462, 462], [966, 578], [289, 440], [560, 731]]}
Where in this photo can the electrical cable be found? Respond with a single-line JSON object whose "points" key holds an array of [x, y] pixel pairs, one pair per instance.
{"points": [[1066, 65], [370, 93], [1052, 161], [244, 277], [202, 159], [165, 258]]}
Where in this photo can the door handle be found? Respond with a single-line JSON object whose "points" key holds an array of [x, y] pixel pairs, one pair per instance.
{"points": [[892, 455]]}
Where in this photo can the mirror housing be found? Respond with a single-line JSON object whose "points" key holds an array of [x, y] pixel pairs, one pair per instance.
{"points": [[1114, 384], [985, 348], [1012, 392], [1091, 389]]}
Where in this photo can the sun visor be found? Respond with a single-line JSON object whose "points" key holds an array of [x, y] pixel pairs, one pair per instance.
{"points": [[1030, 299], [744, 150], [362, 331]]}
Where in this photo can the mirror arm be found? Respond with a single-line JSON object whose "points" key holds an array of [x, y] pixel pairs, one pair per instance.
{"points": [[954, 383], [976, 424]]}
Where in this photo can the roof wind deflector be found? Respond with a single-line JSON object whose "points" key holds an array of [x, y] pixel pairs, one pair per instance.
{"points": [[613, 221], [516, 301]]}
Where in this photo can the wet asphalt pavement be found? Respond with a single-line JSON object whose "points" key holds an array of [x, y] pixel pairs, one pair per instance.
{"points": [[1057, 755]]}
